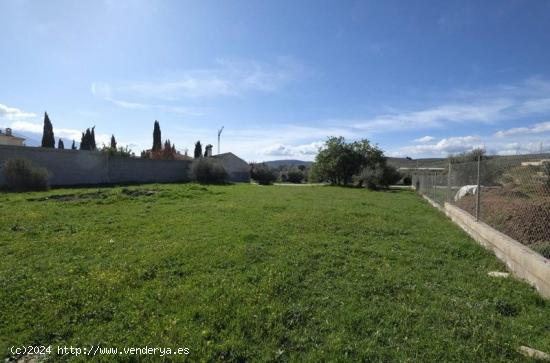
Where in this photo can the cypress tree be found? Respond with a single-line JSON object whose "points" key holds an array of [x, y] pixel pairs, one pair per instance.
{"points": [[60, 144], [85, 142], [198, 150], [73, 146], [113, 142], [92, 140], [157, 143], [48, 139]]}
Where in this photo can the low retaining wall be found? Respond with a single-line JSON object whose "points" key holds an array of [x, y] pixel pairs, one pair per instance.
{"points": [[520, 259]]}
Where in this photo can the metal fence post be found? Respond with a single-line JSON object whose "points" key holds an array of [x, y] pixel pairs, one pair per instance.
{"points": [[449, 184], [434, 183], [478, 190]]}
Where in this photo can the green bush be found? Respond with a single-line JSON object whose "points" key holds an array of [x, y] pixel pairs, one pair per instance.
{"points": [[121, 151], [21, 175], [208, 171], [380, 175], [546, 172], [262, 174], [295, 176]]}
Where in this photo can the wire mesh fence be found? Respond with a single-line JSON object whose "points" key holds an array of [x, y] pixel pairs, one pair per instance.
{"points": [[510, 193]]}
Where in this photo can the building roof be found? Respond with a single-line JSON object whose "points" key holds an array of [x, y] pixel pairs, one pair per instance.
{"points": [[228, 155], [233, 162]]}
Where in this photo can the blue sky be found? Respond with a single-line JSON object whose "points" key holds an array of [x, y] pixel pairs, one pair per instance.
{"points": [[420, 78]]}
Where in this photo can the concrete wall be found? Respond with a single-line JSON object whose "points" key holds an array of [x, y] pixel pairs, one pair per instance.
{"points": [[520, 259], [75, 167]]}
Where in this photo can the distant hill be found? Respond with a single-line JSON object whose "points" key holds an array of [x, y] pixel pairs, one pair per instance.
{"points": [[397, 162], [278, 163], [412, 163], [31, 138]]}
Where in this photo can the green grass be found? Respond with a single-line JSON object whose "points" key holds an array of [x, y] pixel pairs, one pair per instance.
{"points": [[246, 272]]}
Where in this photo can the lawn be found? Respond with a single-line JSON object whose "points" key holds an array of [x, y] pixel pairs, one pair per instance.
{"points": [[247, 272]]}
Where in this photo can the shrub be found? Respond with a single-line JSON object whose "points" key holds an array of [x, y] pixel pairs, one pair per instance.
{"points": [[263, 174], [380, 175], [370, 177], [295, 176], [121, 151], [208, 171], [22, 175], [546, 172]]}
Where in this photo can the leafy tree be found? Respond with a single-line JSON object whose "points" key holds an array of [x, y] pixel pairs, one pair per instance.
{"points": [[313, 174], [60, 144], [198, 150], [113, 142], [157, 141], [73, 146], [48, 139], [339, 161]]}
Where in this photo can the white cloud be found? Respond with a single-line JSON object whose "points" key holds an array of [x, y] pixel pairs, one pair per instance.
{"points": [[532, 129], [11, 113], [444, 147], [104, 91], [527, 147], [536, 105], [229, 78], [27, 126], [297, 151], [482, 106], [424, 139], [71, 134], [438, 116]]}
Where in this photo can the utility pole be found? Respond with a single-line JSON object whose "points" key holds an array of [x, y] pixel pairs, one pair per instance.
{"points": [[219, 133]]}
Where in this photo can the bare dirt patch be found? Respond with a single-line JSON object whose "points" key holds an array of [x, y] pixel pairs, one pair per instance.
{"points": [[138, 192], [70, 197], [524, 217]]}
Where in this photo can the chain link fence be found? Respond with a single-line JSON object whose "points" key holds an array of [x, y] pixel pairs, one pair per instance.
{"points": [[509, 193]]}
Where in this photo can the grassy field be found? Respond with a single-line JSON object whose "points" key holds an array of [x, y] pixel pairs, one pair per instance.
{"points": [[246, 272]]}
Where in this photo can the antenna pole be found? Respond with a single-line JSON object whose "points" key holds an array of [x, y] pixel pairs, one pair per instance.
{"points": [[219, 133]]}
